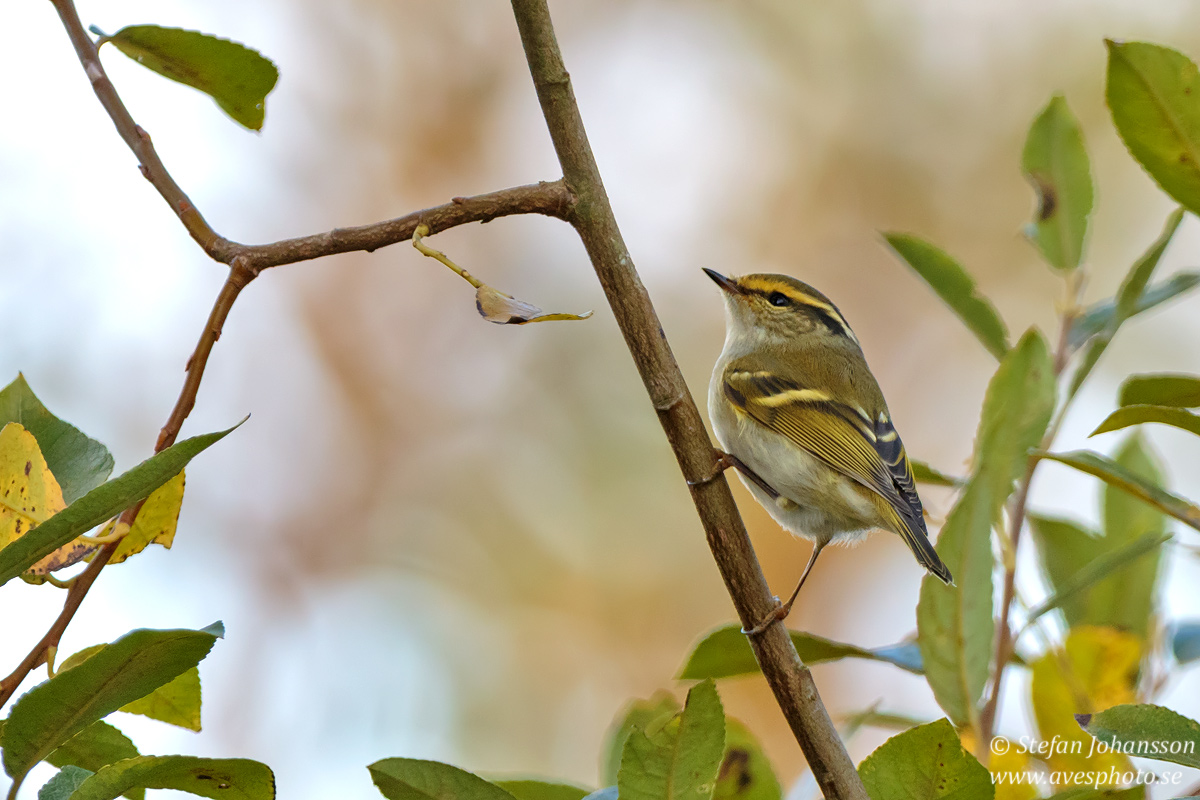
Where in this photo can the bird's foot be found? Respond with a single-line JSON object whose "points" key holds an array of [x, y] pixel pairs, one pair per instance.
{"points": [[727, 460], [777, 614], [724, 462]]}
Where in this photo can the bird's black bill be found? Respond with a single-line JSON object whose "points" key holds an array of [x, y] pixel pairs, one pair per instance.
{"points": [[725, 283]]}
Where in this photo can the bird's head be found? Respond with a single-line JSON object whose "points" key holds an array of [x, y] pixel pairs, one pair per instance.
{"points": [[778, 309]]}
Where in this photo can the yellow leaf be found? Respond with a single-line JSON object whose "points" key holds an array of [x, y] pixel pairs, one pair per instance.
{"points": [[29, 494], [155, 523], [1014, 761], [1097, 670]]}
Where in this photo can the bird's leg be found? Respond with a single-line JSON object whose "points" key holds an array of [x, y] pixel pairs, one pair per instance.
{"points": [[727, 460], [780, 612]]}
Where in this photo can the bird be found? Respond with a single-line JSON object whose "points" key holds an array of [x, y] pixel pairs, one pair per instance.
{"points": [[799, 415]]}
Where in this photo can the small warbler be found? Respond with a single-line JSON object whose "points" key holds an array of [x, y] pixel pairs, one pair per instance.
{"points": [[799, 414]]}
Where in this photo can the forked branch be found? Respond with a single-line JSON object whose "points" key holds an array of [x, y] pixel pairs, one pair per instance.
{"points": [[245, 263]]}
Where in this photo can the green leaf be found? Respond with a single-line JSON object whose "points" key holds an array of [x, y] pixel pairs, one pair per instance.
{"points": [[413, 779], [176, 703], [1055, 162], [1146, 731], [725, 653], [238, 78], [64, 783], [925, 763], [78, 463], [218, 778], [1126, 520], [1150, 92], [101, 503], [1117, 476], [1162, 389], [1071, 557], [954, 623], [1185, 641], [1140, 414], [642, 715], [679, 761], [542, 790], [1134, 594], [745, 772], [952, 283], [96, 746], [1064, 547], [923, 473], [873, 718], [52, 712], [1132, 288], [1097, 317]]}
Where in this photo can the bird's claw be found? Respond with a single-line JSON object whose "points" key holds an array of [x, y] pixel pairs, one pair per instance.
{"points": [[724, 461], [777, 614]]}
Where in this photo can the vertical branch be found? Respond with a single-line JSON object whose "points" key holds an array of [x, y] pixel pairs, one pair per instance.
{"points": [[593, 219]]}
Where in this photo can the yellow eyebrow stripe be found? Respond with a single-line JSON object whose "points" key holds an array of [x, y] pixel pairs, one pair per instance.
{"points": [[766, 287]]}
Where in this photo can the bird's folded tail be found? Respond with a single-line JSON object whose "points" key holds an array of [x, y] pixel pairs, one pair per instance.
{"points": [[922, 548]]}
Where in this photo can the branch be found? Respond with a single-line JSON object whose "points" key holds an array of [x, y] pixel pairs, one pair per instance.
{"points": [[246, 262], [548, 198], [593, 218]]}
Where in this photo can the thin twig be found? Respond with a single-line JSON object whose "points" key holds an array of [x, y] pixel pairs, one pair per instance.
{"points": [[134, 136], [437, 255], [548, 198], [239, 278], [593, 218]]}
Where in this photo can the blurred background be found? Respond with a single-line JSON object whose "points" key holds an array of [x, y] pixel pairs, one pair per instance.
{"points": [[440, 538]]}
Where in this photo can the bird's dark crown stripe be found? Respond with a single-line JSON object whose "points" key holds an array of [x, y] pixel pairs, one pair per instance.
{"points": [[832, 320]]}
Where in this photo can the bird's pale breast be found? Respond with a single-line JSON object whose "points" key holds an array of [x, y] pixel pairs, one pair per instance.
{"points": [[825, 505]]}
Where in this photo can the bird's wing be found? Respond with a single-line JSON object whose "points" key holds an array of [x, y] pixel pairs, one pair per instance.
{"points": [[848, 439]]}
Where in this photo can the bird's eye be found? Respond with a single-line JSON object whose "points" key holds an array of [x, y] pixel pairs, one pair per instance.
{"points": [[778, 299]]}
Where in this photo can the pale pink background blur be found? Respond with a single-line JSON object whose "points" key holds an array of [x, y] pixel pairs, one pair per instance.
{"points": [[444, 539]]}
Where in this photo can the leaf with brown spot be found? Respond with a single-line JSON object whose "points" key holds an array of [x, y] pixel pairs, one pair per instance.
{"points": [[503, 309], [224, 778], [745, 772], [1055, 162], [30, 495], [925, 762]]}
